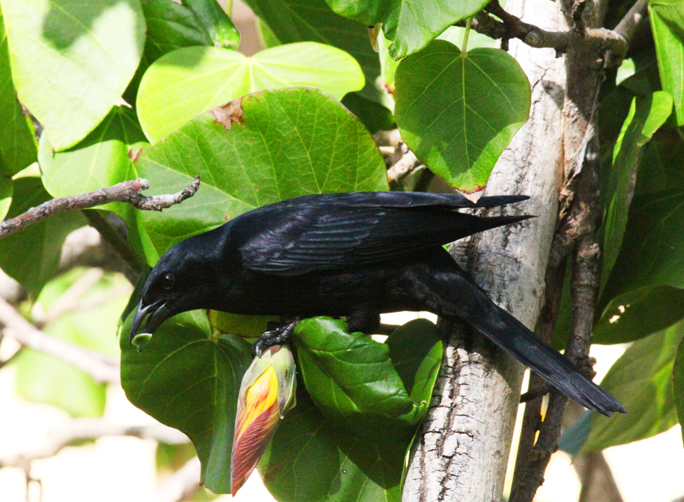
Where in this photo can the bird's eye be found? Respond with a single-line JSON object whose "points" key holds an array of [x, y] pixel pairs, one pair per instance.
{"points": [[168, 281]]}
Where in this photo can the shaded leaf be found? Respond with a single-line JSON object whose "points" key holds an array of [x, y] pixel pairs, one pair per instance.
{"points": [[220, 28], [288, 142], [245, 326], [652, 252], [39, 244], [186, 82], [667, 24], [639, 313], [410, 25], [642, 380], [460, 134], [644, 119], [17, 142], [678, 383], [71, 61], [189, 380]]}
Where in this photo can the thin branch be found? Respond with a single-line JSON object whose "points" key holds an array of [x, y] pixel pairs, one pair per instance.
{"points": [[102, 368], [403, 167], [81, 429], [626, 28], [183, 484], [126, 191], [629, 24], [511, 26]]}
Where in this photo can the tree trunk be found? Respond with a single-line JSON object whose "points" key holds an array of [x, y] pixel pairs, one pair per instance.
{"points": [[461, 451]]}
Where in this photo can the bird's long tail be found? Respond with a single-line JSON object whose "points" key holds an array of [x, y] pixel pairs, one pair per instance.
{"points": [[451, 293]]}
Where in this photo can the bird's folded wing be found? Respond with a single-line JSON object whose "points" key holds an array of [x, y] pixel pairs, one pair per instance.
{"points": [[327, 236]]}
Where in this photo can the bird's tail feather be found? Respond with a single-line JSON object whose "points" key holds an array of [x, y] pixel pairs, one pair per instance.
{"points": [[448, 290], [516, 339]]}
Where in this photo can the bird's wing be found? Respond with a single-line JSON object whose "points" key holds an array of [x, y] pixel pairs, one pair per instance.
{"points": [[324, 233]]}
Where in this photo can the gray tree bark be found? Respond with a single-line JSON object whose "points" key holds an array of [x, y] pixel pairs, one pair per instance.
{"points": [[462, 449]]}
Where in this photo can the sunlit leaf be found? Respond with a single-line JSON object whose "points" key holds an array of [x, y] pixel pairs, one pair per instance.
{"points": [[460, 134], [184, 83], [410, 25], [71, 61]]}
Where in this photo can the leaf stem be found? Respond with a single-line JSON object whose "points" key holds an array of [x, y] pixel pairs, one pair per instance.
{"points": [[465, 35]]}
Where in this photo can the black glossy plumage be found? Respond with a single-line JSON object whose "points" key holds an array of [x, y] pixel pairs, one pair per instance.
{"points": [[355, 255]]}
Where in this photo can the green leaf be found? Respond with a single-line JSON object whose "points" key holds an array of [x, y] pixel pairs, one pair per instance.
{"points": [[287, 143], [244, 326], [17, 142], [182, 84], [652, 247], [641, 380], [39, 244], [311, 460], [100, 160], [410, 25], [372, 114], [6, 191], [416, 352], [351, 378], [460, 134], [678, 383], [220, 28], [45, 379], [337, 464], [170, 26], [639, 313], [189, 380], [667, 24], [71, 61], [644, 119], [313, 21]]}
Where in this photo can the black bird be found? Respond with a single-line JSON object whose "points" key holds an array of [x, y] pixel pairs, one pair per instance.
{"points": [[355, 255]]}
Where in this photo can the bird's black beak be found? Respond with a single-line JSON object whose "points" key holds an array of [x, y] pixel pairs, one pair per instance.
{"points": [[158, 312]]}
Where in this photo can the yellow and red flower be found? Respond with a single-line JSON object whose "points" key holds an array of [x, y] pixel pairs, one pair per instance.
{"points": [[267, 392]]}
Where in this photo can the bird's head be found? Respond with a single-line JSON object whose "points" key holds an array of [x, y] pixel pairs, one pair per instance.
{"points": [[180, 281]]}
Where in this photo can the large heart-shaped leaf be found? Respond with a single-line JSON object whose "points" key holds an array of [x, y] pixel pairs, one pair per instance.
{"points": [[320, 456], [72, 60], [410, 25], [644, 119], [186, 82], [189, 380], [17, 143], [458, 111], [667, 23], [287, 143]]}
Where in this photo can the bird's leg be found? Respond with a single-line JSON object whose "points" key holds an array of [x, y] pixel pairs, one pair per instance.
{"points": [[276, 335]]}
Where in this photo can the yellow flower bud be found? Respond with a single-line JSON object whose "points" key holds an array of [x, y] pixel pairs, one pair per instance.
{"points": [[267, 392]]}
